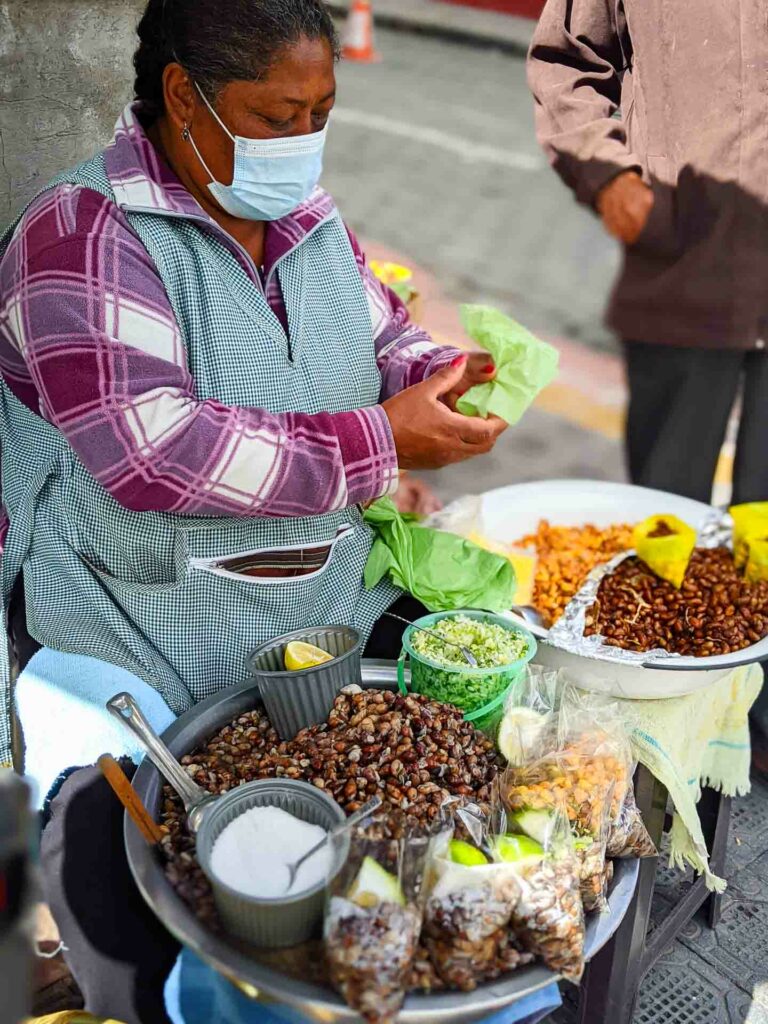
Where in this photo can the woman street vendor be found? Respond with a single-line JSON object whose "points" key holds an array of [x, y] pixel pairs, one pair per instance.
{"points": [[202, 385]]}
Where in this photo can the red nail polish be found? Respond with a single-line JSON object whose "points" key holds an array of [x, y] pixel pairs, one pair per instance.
{"points": [[489, 368], [459, 360]]}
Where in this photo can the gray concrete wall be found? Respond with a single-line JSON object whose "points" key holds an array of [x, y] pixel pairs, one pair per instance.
{"points": [[65, 75]]}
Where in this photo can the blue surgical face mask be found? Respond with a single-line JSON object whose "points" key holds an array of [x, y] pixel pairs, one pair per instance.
{"points": [[271, 176]]}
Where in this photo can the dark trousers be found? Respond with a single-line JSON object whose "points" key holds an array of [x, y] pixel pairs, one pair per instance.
{"points": [[680, 400], [119, 953]]}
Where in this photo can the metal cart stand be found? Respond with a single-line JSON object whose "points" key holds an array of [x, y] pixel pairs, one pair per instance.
{"points": [[612, 979]]}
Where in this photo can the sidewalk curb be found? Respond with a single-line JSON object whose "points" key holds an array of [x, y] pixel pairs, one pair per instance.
{"points": [[515, 39]]}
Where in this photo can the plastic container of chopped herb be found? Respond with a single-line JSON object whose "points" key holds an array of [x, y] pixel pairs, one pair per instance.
{"points": [[501, 648]]}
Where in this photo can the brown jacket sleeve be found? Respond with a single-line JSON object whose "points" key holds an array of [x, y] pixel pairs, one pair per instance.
{"points": [[574, 71]]}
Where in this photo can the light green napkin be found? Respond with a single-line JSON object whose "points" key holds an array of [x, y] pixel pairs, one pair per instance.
{"points": [[440, 569], [524, 365], [694, 741]]}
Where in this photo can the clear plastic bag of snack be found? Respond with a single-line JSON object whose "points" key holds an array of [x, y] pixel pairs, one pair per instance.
{"points": [[579, 783], [529, 726], [471, 889], [548, 918], [373, 920], [592, 726]]}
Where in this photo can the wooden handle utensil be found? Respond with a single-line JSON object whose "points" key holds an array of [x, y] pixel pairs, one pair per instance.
{"points": [[130, 799]]}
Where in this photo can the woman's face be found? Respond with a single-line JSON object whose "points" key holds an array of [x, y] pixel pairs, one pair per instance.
{"points": [[295, 98]]}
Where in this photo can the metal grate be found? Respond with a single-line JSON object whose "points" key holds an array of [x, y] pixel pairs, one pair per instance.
{"points": [[748, 837], [738, 947], [682, 989]]}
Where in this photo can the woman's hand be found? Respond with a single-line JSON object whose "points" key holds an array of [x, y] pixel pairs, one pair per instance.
{"points": [[413, 495], [479, 369], [429, 435]]}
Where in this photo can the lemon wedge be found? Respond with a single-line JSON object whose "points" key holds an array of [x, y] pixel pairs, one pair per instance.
{"points": [[299, 655]]}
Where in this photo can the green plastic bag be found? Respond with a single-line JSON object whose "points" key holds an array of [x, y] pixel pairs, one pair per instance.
{"points": [[524, 365], [442, 570]]}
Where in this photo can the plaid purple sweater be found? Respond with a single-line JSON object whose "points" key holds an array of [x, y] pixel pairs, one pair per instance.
{"points": [[89, 341]]}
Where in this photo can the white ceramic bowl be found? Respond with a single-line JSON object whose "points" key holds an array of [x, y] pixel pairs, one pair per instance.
{"points": [[510, 513]]}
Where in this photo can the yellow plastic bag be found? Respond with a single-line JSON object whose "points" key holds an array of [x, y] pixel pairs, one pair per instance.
{"points": [[757, 561], [750, 520], [523, 562], [665, 544]]}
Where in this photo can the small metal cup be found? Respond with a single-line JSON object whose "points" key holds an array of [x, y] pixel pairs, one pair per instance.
{"points": [[294, 700], [284, 921]]}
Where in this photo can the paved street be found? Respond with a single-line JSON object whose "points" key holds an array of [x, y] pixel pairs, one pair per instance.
{"points": [[432, 152], [433, 160]]}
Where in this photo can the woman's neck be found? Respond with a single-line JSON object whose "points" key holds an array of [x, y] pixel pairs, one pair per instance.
{"points": [[249, 234]]}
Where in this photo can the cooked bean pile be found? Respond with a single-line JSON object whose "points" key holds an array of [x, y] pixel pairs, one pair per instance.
{"points": [[412, 751], [714, 612]]}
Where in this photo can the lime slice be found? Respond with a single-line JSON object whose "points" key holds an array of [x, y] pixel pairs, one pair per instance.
{"points": [[299, 655], [518, 849], [538, 824], [466, 854], [374, 885], [519, 731]]}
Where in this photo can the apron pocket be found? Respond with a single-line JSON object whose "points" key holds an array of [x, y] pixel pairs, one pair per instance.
{"points": [[269, 566], [130, 587]]}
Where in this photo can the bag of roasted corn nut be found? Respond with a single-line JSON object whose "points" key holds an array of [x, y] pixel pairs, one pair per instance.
{"points": [[471, 889], [574, 781], [548, 918], [373, 920], [592, 726]]}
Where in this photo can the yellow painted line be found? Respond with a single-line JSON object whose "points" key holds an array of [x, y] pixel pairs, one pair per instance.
{"points": [[724, 473], [573, 405]]}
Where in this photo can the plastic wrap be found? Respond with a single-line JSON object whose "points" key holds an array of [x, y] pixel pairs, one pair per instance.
{"points": [[528, 727], [583, 783], [373, 920], [548, 918], [469, 905], [591, 722]]}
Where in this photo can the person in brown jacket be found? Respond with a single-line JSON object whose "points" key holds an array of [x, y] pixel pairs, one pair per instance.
{"points": [[656, 115]]}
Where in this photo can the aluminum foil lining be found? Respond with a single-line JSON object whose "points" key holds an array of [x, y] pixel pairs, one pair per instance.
{"points": [[568, 632]]}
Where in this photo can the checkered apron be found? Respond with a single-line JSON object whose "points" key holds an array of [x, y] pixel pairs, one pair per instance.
{"points": [[143, 590]]}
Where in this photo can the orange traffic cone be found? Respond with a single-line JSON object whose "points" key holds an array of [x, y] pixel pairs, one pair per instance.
{"points": [[358, 34]]}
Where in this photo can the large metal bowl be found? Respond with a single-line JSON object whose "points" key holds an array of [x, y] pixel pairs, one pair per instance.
{"points": [[237, 962], [510, 513]]}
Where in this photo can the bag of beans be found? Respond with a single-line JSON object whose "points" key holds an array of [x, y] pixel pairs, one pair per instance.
{"points": [[470, 893], [592, 725], [373, 920], [548, 918]]}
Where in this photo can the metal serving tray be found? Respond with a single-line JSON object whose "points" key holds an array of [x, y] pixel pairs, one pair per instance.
{"points": [[238, 963]]}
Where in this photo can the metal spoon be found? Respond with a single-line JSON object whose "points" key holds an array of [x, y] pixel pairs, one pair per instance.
{"points": [[352, 820], [529, 614], [196, 799], [468, 655]]}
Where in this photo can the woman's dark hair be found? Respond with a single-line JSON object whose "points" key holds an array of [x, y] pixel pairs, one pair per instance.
{"points": [[220, 42]]}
